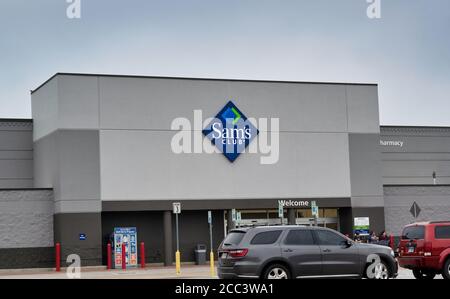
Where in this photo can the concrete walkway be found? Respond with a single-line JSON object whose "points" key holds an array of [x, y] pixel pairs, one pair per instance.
{"points": [[151, 272]]}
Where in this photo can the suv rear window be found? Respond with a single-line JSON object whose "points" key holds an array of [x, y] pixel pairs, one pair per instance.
{"points": [[413, 233], [233, 238], [266, 237], [442, 232]]}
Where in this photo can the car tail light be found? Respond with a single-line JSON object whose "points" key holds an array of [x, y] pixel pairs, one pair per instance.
{"points": [[427, 248], [238, 252]]}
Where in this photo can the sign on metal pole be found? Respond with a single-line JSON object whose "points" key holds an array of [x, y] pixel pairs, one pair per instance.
{"points": [[233, 215], [209, 217], [211, 252], [315, 211], [210, 229], [280, 210], [176, 207], [177, 211]]}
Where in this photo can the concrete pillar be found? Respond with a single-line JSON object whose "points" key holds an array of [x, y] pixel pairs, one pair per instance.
{"points": [[346, 221], [230, 222], [291, 213], [168, 247]]}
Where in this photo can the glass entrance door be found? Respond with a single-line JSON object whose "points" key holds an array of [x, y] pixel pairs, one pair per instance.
{"points": [[327, 218]]}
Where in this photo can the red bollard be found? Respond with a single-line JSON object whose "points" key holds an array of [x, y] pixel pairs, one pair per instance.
{"points": [[142, 255], [58, 257], [124, 257], [108, 256]]}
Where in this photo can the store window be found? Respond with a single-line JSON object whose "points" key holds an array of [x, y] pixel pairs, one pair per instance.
{"points": [[330, 213], [323, 213]]}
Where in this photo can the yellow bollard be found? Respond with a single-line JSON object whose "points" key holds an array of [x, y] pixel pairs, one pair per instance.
{"points": [[211, 262], [177, 262]]}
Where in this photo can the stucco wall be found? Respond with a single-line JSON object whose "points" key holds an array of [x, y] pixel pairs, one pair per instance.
{"points": [[16, 153], [414, 154], [132, 117]]}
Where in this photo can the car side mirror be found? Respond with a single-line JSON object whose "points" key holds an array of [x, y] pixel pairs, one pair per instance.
{"points": [[347, 243]]}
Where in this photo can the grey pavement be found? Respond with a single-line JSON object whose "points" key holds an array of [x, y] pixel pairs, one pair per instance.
{"points": [[150, 272]]}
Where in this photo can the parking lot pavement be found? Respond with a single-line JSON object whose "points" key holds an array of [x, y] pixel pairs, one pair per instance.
{"points": [[407, 274], [151, 272]]}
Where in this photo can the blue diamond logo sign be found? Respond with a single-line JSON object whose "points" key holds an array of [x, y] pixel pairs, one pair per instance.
{"points": [[230, 131]]}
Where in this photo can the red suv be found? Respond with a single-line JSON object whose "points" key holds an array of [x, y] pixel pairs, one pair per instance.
{"points": [[425, 249]]}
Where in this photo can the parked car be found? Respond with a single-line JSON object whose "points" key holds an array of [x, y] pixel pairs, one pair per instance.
{"points": [[283, 252], [425, 249]]}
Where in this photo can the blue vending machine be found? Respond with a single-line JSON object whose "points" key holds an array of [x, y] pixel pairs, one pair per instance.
{"points": [[127, 236]]}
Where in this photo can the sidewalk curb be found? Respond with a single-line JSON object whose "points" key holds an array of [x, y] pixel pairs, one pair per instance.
{"points": [[149, 266], [46, 270]]}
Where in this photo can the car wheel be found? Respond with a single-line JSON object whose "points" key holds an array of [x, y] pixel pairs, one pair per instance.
{"points": [[381, 271], [446, 270], [277, 271], [420, 274]]}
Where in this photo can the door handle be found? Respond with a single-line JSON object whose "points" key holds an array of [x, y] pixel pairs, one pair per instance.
{"points": [[327, 250], [287, 250]]}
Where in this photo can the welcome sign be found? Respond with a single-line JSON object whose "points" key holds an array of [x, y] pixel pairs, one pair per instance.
{"points": [[361, 225]]}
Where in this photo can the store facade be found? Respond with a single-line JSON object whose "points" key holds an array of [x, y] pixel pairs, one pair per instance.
{"points": [[118, 151]]}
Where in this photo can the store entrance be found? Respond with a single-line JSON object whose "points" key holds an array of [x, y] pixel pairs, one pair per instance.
{"points": [[328, 217]]}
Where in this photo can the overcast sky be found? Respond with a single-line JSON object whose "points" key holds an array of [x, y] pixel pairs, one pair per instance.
{"points": [[407, 51]]}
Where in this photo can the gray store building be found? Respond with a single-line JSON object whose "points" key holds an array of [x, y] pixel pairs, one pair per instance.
{"points": [[98, 154]]}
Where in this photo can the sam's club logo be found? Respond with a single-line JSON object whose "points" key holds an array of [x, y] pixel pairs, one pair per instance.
{"points": [[230, 131]]}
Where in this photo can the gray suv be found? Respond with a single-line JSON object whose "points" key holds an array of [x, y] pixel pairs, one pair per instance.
{"points": [[283, 252]]}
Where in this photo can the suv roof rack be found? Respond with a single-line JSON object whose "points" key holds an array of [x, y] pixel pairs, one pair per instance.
{"points": [[435, 222]]}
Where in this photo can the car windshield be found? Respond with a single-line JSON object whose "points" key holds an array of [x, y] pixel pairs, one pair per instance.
{"points": [[413, 233], [233, 238]]}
